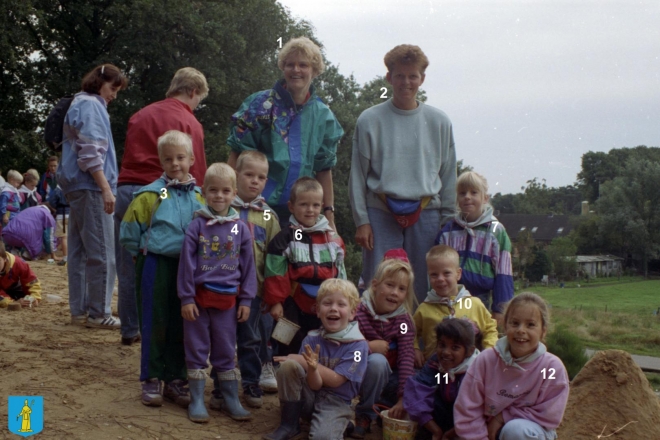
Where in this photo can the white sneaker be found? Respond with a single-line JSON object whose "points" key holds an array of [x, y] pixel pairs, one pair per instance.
{"points": [[267, 380], [110, 323]]}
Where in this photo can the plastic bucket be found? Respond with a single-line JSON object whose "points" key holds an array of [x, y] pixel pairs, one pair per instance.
{"points": [[395, 429], [285, 330]]}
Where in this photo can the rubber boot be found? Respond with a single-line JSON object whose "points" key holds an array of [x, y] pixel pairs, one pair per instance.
{"points": [[197, 410], [215, 402], [289, 428], [231, 406]]}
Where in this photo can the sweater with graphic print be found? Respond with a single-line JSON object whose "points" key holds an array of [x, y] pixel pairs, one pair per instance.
{"points": [[296, 256], [217, 253], [484, 249]]}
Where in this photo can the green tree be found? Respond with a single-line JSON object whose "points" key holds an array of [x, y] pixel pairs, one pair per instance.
{"points": [[524, 251], [629, 206], [460, 168], [540, 266], [561, 253]]}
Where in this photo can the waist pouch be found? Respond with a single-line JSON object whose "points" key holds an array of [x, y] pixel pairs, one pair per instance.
{"points": [[309, 290], [216, 296], [405, 212]]}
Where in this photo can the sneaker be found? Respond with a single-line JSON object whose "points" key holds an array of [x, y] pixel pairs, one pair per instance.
{"points": [[110, 323], [152, 393], [216, 400], [267, 380], [362, 426], [132, 340], [253, 396], [177, 392], [79, 320]]}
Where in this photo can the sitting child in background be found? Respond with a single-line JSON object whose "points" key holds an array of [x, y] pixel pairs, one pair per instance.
{"points": [[447, 298], [516, 390], [302, 255], [28, 191], [384, 316], [429, 396], [30, 229], [17, 280], [10, 199], [320, 382], [216, 286], [60, 208]]}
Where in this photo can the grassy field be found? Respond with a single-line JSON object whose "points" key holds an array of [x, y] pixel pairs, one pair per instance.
{"points": [[610, 315]]}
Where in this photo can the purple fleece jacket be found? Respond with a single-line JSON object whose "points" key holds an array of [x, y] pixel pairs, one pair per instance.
{"points": [[215, 254]]}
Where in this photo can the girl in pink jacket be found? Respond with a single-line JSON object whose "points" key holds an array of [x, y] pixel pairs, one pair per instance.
{"points": [[515, 390]]}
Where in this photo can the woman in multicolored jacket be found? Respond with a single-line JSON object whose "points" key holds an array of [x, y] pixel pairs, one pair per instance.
{"points": [[482, 244]]}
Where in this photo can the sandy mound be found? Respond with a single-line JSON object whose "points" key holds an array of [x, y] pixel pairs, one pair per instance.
{"points": [[610, 392]]}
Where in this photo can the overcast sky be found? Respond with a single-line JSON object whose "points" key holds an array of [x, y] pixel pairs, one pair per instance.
{"points": [[530, 86]]}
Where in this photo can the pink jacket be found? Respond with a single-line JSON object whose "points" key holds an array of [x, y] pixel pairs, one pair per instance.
{"points": [[491, 386]]}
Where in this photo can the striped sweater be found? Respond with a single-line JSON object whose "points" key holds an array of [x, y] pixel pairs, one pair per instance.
{"points": [[401, 354], [314, 258], [485, 255]]}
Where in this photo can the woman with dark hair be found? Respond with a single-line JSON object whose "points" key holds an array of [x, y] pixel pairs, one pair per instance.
{"points": [[87, 175]]}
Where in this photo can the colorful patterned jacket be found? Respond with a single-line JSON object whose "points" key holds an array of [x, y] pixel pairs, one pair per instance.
{"points": [[310, 260]]}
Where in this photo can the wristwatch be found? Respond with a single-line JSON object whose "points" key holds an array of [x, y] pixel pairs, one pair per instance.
{"points": [[329, 208]]}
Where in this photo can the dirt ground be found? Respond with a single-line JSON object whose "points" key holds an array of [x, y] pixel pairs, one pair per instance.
{"points": [[89, 381]]}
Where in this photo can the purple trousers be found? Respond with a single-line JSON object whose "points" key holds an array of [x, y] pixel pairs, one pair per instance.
{"points": [[213, 331]]}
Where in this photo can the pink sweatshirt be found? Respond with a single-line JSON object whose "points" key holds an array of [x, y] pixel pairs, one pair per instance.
{"points": [[491, 386]]}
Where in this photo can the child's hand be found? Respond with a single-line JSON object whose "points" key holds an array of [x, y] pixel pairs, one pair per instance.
{"points": [[397, 411], [189, 312], [312, 357], [379, 346], [419, 358], [277, 311], [243, 313], [494, 425]]}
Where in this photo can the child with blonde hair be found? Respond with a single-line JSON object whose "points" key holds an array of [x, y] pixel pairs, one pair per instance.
{"points": [[28, 191], [384, 316], [320, 382], [517, 389], [482, 244], [217, 282], [447, 298], [10, 199]]}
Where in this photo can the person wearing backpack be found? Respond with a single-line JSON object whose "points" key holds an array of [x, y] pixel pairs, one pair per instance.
{"points": [[87, 175]]}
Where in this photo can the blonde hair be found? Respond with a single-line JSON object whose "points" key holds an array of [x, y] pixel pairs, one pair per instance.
{"points": [[186, 81], [14, 175], [396, 269], [344, 287], [529, 298], [175, 138], [222, 171], [250, 155], [31, 175], [304, 184], [406, 55], [472, 180], [305, 47], [443, 251]]}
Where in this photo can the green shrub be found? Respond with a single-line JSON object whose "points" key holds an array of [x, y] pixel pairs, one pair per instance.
{"points": [[567, 347]]}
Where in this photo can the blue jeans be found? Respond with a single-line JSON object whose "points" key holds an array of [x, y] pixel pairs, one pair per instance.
{"points": [[379, 385], [127, 299], [521, 429], [252, 338], [416, 240], [91, 262]]}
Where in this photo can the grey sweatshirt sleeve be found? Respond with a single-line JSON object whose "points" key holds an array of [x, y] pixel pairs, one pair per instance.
{"points": [[357, 182], [448, 179]]}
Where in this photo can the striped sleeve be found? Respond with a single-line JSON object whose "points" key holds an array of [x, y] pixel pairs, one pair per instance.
{"points": [[277, 284], [406, 350], [136, 221], [503, 285]]}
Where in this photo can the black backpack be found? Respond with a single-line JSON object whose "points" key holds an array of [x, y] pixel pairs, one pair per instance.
{"points": [[53, 132]]}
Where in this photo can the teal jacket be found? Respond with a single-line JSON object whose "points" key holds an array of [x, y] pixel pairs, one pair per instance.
{"points": [[298, 140], [169, 218]]}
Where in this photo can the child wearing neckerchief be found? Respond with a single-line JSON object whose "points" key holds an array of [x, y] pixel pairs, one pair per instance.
{"points": [[216, 285], [516, 389], [302, 256], [384, 316], [320, 382], [447, 298], [10, 199], [153, 230], [28, 191], [48, 181], [429, 396]]}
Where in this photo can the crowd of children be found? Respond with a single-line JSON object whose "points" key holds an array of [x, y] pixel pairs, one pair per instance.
{"points": [[214, 271]]}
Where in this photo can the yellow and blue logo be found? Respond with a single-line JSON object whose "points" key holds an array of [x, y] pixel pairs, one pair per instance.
{"points": [[26, 415]]}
